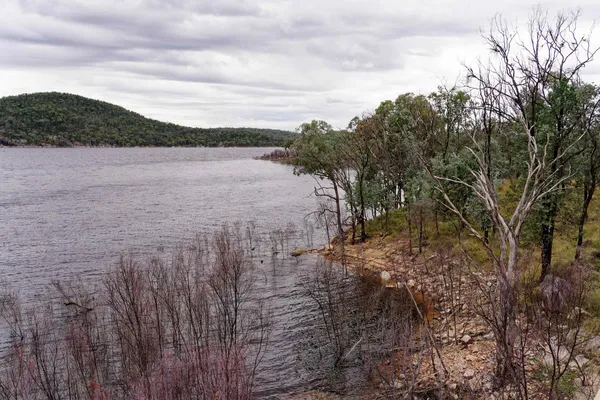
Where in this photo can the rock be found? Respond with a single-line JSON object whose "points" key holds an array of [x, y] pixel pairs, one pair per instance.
{"points": [[561, 357], [474, 385], [469, 373], [593, 344], [385, 276], [398, 384], [470, 358], [580, 361], [452, 387], [578, 312], [466, 339]]}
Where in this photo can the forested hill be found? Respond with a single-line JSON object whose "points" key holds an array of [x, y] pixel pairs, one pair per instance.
{"points": [[60, 119]]}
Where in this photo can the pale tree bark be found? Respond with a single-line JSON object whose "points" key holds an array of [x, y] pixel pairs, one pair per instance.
{"points": [[529, 75], [537, 184]]}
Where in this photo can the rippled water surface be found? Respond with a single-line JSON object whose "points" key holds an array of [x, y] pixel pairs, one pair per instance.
{"points": [[67, 213]]}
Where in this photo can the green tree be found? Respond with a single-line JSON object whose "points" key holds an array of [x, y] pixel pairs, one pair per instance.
{"points": [[317, 153]]}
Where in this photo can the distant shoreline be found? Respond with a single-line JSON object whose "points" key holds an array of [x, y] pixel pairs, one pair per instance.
{"points": [[54, 119]]}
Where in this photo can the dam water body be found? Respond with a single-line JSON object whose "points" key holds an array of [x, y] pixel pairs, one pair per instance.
{"points": [[69, 213]]}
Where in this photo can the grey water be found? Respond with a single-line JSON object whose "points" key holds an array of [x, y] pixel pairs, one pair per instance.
{"points": [[70, 213]]}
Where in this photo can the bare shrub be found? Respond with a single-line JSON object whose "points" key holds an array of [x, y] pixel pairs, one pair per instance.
{"points": [[363, 322], [189, 327], [557, 314]]}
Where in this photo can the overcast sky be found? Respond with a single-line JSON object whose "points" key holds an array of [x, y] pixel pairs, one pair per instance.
{"points": [[261, 63]]}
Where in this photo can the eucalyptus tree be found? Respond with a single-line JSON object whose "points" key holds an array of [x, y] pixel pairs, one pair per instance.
{"points": [[359, 140], [392, 133], [524, 90], [317, 153], [529, 79], [589, 159], [451, 107]]}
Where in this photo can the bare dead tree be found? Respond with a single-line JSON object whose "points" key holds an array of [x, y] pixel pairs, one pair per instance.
{"points": [[189, 327], [539, 181], [531, 74], [511, 91]]}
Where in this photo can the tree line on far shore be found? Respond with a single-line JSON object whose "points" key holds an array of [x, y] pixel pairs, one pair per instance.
{"points": [[66, 120]]}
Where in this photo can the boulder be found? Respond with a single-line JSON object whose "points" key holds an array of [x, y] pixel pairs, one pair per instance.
{"points": [[469, 373], [398, 384], [385, 276], [561, 357]]}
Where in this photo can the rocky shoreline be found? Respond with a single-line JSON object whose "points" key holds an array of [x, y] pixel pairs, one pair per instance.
{"points": [[463, 338]]}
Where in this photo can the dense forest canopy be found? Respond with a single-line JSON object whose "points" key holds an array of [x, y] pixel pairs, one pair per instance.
{"points": [[60, 119]]}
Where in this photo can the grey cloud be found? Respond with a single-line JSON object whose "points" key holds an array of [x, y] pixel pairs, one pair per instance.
{"points": [[156, 94], [190, 28], [191, 103], [277, 62], [280, 116], [357, 54], [152, 39], [96, 12], [211, 76], [264, 92], [139, 27]]}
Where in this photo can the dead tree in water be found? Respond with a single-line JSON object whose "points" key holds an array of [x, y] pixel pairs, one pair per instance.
{"points": [[187, 327]]}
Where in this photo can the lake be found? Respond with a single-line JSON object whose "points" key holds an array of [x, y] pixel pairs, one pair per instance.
{"points": [[69, 213]]}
